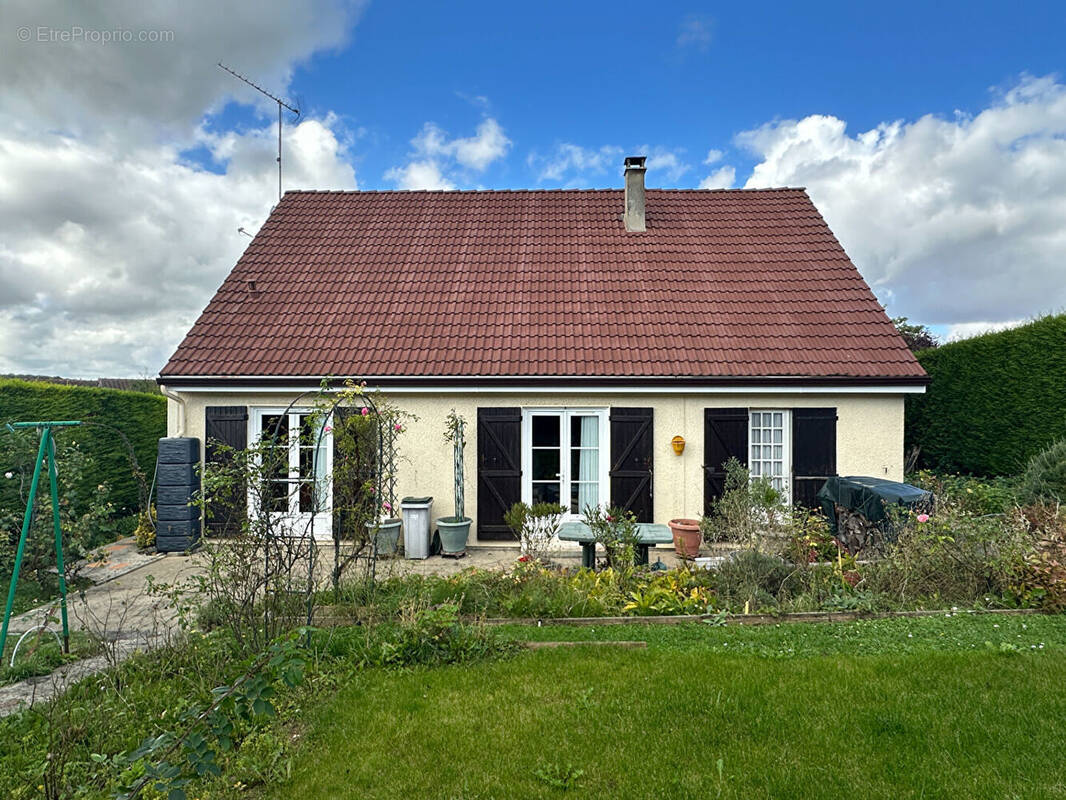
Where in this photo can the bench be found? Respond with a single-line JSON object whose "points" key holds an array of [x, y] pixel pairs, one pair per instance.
{"points": [[649, 534]]}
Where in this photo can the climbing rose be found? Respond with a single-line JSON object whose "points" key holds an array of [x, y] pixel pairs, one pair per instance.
{"points": [[387, 505], [398, 427], [365, 411], [923, 517], [327, 429]]}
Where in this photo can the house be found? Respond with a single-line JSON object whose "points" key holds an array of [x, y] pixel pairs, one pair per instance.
{"points": [[581, 332]]}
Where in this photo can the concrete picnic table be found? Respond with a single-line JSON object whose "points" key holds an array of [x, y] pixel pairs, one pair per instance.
{"points": [[649, 534]]}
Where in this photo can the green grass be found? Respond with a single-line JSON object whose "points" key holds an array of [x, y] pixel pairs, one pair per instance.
{"points": [[960, 706], [42, 656]]}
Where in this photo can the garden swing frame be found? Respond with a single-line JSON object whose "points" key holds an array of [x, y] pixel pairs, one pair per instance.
{"points": [[46, 450]]}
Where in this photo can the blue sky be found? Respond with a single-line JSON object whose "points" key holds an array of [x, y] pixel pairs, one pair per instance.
{"points": [[685, 76], [931, 136]]}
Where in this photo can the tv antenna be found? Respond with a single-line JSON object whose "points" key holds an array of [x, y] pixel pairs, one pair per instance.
{"points": [[281, 104]]}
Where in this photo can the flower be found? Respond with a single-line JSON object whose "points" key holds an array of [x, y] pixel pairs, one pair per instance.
{"points": [[327, 429], [923, 517], [523, 559], [9, 475], [364, 411], [387, 505], [397, 427]]}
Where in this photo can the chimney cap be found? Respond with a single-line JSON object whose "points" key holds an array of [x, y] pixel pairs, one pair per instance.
{"points": [[636, 162]]}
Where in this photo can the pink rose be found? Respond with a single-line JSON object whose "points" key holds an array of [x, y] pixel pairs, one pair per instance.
{"points": [[398, 427], [387, 505], [923, 517], [327, 429], [365, 411]]}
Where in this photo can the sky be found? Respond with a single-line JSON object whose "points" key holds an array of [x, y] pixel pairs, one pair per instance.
{"points": [[932, 137]]}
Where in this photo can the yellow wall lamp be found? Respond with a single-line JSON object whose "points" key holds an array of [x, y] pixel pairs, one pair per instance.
{"points": [[678, 443]]}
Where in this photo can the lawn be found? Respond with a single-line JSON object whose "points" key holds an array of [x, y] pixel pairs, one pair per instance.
{"points": [[960, 706]]}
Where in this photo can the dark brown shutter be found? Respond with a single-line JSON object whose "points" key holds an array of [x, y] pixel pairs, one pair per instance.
{"points": [[725, 436], [499, 469], [814, 452], [631, 461], [226, 425]]}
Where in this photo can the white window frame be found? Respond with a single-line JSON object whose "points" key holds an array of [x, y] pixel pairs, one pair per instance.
{"points": [[565, 414], [786, 451], [323, 529]]}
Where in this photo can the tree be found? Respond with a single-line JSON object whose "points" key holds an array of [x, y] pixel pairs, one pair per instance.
{"points": [[917, 337]]}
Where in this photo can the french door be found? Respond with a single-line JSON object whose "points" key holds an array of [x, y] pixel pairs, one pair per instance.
{"points": [[565, 458], [298, 462]]}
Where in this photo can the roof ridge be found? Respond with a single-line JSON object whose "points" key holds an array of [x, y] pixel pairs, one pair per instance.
{"points": [[539, 191]]}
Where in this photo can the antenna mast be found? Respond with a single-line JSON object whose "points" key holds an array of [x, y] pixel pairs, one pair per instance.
{"points": [[281, 104]]}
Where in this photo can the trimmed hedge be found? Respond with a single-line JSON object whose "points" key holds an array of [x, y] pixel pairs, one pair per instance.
{"points": [[995, 400], [141, 417]]}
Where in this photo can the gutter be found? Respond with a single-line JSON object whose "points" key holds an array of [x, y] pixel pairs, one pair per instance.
{"points": [[177, 398]]}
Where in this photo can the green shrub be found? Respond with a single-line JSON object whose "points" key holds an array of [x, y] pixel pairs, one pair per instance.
{"points": [[994, 400], [141, 417], [1044, 479], [747, 508], [969, 494]]}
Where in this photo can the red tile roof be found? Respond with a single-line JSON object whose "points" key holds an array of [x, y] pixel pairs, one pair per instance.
{"points": [[734, 283]]}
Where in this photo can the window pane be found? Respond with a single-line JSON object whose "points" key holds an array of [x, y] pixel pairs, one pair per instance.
{"points": [[777, 436], [545, 492], [584, 431], [755, 436], [755, 452], [777, 451], [777, 419], [777, 468], [583, 495], [545, 431], [584, 465], [755, 468], [766, 451], [306, 497], [755, 419], [545, 464], [277, 496]]}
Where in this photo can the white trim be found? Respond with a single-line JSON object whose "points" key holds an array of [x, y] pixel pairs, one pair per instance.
{"points": [[323, 530], [565, 413], [556, 390]]}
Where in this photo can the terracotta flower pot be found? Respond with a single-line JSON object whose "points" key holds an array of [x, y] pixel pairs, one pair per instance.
{"points": [[687, 537]]}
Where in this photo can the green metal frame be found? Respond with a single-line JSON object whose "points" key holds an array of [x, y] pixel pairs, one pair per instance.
{"points": [[47, 449]]}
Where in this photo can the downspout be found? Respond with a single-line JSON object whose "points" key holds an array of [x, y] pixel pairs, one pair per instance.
{"points": [[177, 398]]}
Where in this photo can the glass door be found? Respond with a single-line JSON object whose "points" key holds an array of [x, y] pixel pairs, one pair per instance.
{"points": [[297, 466], [563, 461]]}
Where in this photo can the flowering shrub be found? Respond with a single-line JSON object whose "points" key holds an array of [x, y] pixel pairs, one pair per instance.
{"points": [[616, 530], [536, 527]]}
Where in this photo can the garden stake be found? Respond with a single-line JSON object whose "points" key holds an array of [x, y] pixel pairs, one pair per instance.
{"points": [[47, 450]]}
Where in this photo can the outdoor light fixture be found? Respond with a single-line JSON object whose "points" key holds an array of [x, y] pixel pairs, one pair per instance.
{"points": [[678, 443]]}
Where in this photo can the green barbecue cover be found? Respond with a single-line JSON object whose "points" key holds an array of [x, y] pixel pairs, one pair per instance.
{"points": [[869, 497]]}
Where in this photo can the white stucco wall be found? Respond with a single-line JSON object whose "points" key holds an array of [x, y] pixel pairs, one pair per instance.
{"points": [[869, 435]]}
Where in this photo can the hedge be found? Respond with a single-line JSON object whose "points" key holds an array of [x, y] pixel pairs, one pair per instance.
{"points": [[994, 400], [141, 417]]}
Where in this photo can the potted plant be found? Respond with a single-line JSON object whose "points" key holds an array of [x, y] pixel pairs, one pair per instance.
{"points": [[687, 537], [386, 531], [454, 530]]}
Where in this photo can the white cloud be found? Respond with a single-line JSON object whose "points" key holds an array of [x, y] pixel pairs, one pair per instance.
{"points": [[695, 32], [967, 330], [111, 240], [575, 166], [722, 178], [713, 157], [950, 220], [664, 165], [435, 155], [109, 257], [419, 175]]}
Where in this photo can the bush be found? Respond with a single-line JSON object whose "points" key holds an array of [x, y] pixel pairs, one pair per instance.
{"points": [[1044, 479], [536, 527], [994, 400], [747, 508], [141, 417], [969, 494]]}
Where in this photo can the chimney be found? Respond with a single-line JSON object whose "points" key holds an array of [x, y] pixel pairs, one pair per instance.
{"points": [[634, 213]]}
